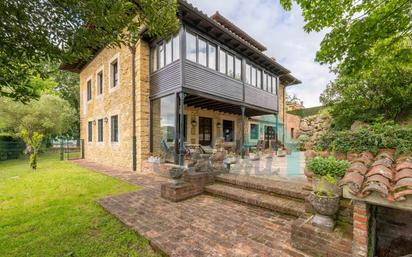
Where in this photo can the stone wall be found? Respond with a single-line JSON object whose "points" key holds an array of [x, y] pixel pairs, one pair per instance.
{"points": [[312, 128], [116, 101]]}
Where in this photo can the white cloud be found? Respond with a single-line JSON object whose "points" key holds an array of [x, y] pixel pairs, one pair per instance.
{"points": [[283, 35]]}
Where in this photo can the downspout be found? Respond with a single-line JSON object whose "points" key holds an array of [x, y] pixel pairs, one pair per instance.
{"points": [[134, 151]]}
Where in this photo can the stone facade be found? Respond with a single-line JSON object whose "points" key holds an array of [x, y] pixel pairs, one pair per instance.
{"points": [[116, 101]]}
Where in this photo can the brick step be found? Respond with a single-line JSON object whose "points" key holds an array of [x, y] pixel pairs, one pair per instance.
{"points": [[272, 186], [275, 203]]}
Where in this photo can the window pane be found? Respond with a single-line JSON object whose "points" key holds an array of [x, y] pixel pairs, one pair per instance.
{"points": [[202, 52], [191, 47], [269, 83], [89, 90], [100, 83], [228, 131], [114, 74], [222, 60], [176, 47], [254, 131], [212, 56], [90, 131], [168, 52], [247, 75], [259, 79], [114, 128], [274, 85], [238, 69], [230, 67], [253, 76], [154, 58], [264, 82], [100, 130], [163, 128], [161, 56]]}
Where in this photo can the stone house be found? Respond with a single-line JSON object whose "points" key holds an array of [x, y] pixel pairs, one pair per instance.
{"points": [[205, 82]]}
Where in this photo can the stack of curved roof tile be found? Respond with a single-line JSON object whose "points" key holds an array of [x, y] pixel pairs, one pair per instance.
{"points": [[390, 178]]}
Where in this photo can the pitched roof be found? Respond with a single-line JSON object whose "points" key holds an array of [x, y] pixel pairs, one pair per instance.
{"points": [[235, 29]]}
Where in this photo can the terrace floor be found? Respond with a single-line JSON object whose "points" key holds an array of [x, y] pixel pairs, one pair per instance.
{"points": [[200, 226]]}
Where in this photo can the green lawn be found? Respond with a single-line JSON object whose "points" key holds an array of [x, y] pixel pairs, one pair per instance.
{"points": [[52, 212]]}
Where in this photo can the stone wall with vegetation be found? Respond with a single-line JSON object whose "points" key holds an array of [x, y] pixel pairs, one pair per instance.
{"points": [[311, 129]]}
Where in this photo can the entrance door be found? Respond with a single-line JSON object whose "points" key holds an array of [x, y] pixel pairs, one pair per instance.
{"points": [[205, 131], [270, 134]]}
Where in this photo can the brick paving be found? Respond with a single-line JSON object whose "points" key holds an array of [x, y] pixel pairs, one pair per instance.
{"points": [[200, 226]]}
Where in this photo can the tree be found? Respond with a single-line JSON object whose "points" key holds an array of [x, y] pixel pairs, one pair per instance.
{"points": [[369, 47], [40, 31], [355, 29], [48, 116]]}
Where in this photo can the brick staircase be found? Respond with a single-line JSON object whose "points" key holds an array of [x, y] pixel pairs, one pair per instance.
{"points": [[277, 195]]}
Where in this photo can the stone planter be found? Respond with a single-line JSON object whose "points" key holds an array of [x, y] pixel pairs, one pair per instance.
{"points": [[320, 184], [309, 174], [325, 208], [176, 173], [254, 156]]}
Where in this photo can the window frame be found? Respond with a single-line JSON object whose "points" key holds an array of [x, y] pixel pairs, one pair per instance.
{"points": [[115, 58], [100, 82], [118, 128], [90, 131], [250, 130], [100, 131], [89, 89]]}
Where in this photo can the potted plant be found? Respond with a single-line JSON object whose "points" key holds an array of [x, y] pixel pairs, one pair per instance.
{"points": [[254, 155], [326, 194]]}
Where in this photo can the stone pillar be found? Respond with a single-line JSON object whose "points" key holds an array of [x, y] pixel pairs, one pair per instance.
{"points": [[360, 229]]}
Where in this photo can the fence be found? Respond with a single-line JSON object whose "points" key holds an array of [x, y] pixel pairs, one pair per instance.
{"points": [[69, 149], [10, 150]]}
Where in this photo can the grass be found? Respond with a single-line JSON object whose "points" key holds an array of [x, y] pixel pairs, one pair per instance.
{"points": [[53, 212]]}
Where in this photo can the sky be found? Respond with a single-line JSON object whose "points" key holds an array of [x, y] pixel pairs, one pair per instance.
{"points": [[283, 35]]}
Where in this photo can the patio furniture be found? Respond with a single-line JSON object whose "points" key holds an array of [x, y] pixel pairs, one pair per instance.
{"points": [[206, 149]]}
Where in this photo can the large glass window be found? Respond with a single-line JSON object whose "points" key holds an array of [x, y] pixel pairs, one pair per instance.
{"points": [[191, 47], [269, 83], [265, 81], [163, 124], [254, 131], [274, 85], [228, 131], [259, 78], [238, 68], [100, 130], [247, 75], [114, 69], [202, 52], [168, 52], [114, 128], [253, 76], [212, 56], [154, 58], [230, 66], [161, 56], [176, 47], [222, 61]]}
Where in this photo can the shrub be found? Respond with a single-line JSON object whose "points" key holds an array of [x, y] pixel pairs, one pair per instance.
{"points": [[328, 168], [377, 136]]}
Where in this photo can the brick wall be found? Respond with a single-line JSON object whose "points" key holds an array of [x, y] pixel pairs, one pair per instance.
{"points": [[360, 229]]}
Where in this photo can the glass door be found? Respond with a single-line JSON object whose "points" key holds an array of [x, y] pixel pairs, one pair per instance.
{"points": [[205, 131]]}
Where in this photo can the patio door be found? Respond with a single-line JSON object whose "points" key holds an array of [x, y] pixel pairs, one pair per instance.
{"points": [[205, 131]]}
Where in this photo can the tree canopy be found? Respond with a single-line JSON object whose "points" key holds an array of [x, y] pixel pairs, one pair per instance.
{"points": [[50, 115], [42, 31], [368, 45]]}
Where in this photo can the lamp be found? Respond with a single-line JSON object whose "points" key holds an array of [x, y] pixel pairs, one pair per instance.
{"points": [[219, 125], [194, 123]]}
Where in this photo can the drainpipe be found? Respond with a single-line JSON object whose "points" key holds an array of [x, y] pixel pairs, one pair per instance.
{"points": [[134, 151], [181, 129], [276, 131], [242, 138]]}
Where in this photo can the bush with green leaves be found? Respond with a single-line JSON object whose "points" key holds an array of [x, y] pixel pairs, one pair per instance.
{"points": [[328, 168], [372, 138]]}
